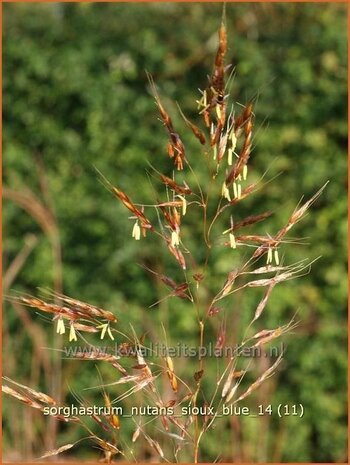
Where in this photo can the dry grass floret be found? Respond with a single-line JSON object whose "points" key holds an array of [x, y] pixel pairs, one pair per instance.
{"points": [[227, 144]]}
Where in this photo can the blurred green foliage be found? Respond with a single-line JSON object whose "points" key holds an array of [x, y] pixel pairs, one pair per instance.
{"points": [[76, 97]]}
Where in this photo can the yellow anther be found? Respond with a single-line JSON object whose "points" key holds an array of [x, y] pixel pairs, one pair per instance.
{"points": [[184, 204], [233, 140], [277, 259], [72, 334], [136, 231], [60, 326], [175, 239], [229, 157], [233, 244], [110, 333]]}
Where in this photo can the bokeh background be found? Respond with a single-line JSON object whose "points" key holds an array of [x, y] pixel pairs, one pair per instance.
{"points": [[76, 97]]}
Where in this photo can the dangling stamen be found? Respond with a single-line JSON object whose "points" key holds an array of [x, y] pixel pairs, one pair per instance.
{"points": [[110, 333], [277, 259], [225, 192], [184, 204], [60, 326], [136, 231], [229, 157], [233, 244], [218, 111], [233, 140], [235, 190], [175, 239], [72, 334], [105, 328]]}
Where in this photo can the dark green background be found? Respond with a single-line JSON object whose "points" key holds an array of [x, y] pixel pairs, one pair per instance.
{"points": [[76, 97]]}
